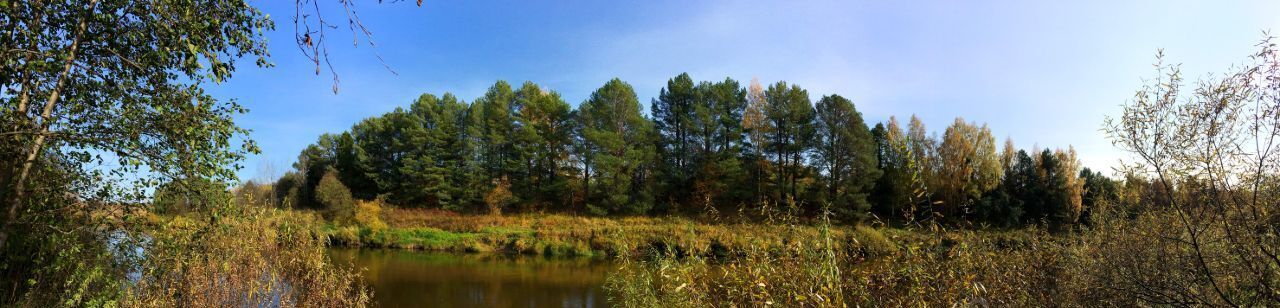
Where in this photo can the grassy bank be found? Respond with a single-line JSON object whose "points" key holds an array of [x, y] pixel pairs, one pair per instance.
{"points": [[566, 235]]}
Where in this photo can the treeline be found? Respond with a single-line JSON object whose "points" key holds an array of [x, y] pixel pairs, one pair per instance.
{"points": [[704, 147]]}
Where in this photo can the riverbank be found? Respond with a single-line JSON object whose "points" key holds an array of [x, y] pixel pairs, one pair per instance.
{"points": [[685, 262], [567, 235]]}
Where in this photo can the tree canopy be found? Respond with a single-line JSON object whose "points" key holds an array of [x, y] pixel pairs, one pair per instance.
{"points": [[705, 148]]}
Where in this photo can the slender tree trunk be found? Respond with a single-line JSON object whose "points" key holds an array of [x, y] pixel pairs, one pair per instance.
{"points": [[781, 161], [24, 96], [710, 142], [835, 179], [586, 182], [530, 176], [759, 176], [15, 202], [795, 159], [683, 152]]}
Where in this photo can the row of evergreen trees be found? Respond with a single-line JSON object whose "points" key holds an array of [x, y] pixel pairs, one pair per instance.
{"points": [[703, 147]]}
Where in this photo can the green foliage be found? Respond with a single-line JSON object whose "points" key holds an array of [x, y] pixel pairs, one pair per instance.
{"points": [[845, 150], [543, 139], [496, 115], [711, 146], [1099, 192], [700, 139], [382, 145], [182, 197], [428, 170], [618, 151], [791, 130], [900, 187], [335, 198], [329, 152], [870, 242], [288, 190], [80, 272], [104, 103], [720, 176], [673, 116]]}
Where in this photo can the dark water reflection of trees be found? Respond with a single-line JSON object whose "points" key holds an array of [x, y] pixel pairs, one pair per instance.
{"points": [[427, 279]]}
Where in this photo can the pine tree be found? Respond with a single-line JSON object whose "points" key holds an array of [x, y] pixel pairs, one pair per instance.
{"points": [[846, 153], [718, 174], [470, 174], [543, 141], [433, 153], [673, 116], [384, 142], [497, 127], [790, 116], [1024, 185], [617, 150], [1099, 193]]}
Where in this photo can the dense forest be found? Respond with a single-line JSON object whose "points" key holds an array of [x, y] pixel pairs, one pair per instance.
{"points": [[703, 147]]}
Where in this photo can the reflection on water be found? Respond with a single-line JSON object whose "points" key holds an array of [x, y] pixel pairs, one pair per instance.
{"points": [[428, 279]]}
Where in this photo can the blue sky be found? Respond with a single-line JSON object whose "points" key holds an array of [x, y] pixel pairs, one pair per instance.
{"points": [[1043, 73]]}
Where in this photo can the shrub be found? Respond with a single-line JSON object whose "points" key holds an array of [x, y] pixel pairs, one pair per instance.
{"points": [[1211, 238], [345, 236], [335, 198], [186, 265], [872, 243], [368, 214], [378, 238], [499, 197]]}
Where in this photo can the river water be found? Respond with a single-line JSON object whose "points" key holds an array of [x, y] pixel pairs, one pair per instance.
{"points": [[402, 278]]}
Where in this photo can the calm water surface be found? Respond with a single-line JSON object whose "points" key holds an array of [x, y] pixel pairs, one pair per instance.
{"points": [[429, 279]]}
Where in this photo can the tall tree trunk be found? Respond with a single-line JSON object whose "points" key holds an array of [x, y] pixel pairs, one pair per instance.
{"points": [[795, 159], [33, 152], [586, 182], [781, 161]]}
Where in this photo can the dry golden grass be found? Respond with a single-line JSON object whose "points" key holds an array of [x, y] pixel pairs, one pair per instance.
{"points": [[923, 268], [559, 234], [258, 257]]}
